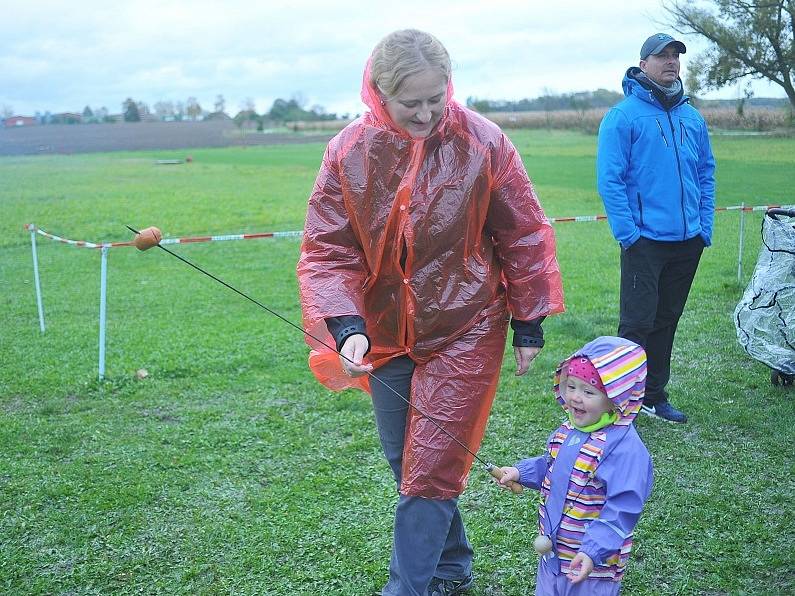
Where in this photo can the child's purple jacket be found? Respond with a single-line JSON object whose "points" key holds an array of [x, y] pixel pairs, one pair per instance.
{"points": [[593, 485]]}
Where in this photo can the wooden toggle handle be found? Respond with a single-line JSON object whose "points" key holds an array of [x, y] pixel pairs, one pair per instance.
{"points": [[147, 238], [515, 487]]}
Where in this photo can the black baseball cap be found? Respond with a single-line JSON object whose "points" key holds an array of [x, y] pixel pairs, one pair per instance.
{"points": [[657, 43]]}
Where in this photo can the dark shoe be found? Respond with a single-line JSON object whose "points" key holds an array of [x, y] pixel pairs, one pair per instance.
{"points": [[665, 411], [450, 587]]}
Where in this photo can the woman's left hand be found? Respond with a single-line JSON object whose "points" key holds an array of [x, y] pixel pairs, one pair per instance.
{"points": [[524, 356]]}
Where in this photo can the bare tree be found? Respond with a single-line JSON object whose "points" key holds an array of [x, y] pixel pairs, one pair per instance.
{"points": [[220, 103], [192, 108], [164, 109], [747, 38], [6, 111], [300, 99]]}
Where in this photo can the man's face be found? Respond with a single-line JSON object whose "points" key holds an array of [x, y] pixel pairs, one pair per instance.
{"points": [[662, 68]]}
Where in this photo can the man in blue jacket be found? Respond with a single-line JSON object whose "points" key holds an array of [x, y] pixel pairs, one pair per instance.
{"points": [[655, 173]]}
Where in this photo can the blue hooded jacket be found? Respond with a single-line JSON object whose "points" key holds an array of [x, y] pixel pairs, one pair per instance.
{"points": [[654, 167]]}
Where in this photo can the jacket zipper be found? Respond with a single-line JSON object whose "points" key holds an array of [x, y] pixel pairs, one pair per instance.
{"points": [[681, 181], [662, 133]]}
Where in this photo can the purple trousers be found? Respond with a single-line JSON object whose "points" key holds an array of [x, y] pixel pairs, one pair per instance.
{"points": [[549, 584]]}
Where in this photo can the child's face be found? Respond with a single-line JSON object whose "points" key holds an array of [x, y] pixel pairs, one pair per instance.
{"points": [[585, 402]]}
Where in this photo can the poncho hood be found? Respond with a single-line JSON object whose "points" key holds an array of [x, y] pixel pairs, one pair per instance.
{"points": [[621, 365], [633, 86], [378, 114]]}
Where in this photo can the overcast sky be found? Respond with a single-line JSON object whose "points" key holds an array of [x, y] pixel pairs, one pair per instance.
{"points": [[62, 56]]}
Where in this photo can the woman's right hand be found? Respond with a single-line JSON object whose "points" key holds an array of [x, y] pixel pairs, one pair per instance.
{"points": [[351, 354]]}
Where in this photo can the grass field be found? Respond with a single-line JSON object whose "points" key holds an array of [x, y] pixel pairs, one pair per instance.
{"points": [[229, 470]]}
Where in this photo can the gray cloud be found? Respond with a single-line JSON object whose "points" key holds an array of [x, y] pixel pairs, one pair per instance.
{"points": [[57, 56]]}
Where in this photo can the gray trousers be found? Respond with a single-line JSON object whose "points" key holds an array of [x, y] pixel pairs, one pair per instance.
{"points": [[429, 538]]}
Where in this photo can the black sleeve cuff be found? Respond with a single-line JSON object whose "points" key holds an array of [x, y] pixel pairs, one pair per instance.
{"points": [[341, 328], [528, 334]]}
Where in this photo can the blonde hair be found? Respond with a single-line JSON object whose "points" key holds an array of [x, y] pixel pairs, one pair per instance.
{"points": [[405, 53]]}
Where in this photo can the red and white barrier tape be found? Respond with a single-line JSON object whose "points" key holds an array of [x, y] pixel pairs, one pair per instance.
{"points": [[577, 218], [185, 240], [299, 233]]}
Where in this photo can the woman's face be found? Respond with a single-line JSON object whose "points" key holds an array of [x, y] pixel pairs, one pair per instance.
{"points": [[417, 107]]}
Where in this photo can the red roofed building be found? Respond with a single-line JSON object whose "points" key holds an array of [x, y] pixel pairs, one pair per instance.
{"points": [[19, 121]]}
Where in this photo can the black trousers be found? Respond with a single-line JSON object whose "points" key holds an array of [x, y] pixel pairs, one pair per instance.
{"points": [[655, 281]]}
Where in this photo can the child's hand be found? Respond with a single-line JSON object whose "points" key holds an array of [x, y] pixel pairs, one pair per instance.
{"points": [[580, 568], [509, 474]]}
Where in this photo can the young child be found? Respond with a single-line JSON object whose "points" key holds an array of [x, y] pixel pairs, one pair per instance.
{"points": [[596, 474]]}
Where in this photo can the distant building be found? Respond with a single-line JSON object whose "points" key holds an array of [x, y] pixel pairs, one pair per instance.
{"points": [[20, 121], [217, 116], [248, 120], [246, 115], [66, 118]]}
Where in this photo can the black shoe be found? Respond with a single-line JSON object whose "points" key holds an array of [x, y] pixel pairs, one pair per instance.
{"points": [[450, 587], [664, 410]]}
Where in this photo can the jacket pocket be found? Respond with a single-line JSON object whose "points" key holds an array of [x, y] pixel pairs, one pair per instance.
{"points": [[688, 140], [640, 210], [662, 132]]}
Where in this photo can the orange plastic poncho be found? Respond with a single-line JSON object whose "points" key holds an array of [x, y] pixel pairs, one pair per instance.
{"points": [[459, 208]]}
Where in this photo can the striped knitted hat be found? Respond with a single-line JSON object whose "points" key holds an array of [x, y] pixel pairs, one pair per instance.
{"points": [[582, 368]]}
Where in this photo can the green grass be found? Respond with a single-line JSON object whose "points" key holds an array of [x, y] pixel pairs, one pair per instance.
{"points": [[230, 470]]}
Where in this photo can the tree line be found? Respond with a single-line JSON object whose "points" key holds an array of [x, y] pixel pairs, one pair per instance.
{"points": [[282, 110], [549, 102]]}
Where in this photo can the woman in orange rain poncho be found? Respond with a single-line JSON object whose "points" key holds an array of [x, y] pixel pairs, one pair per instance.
{"points": [[423, 233]]}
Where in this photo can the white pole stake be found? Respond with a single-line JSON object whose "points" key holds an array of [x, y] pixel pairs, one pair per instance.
{"points": [[742, 242], [36, 282], [103, 290]]}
